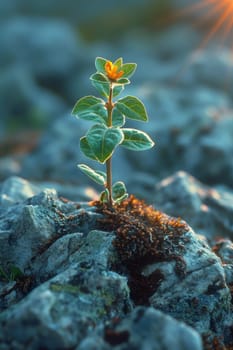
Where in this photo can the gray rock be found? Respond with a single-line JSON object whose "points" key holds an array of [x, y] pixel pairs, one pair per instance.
{"points": [[150, 329], [207, 210], [35, 217], [71, 291], [9, 166], [50, 240], [221, 64], [213, 147], [39, 58], [57, 154], [34, 105], [71, 191], [201, 302], [47, 48], [189, 133], [182, 40], [145, 329], [224, 249], [16, 189], [59, 313]]}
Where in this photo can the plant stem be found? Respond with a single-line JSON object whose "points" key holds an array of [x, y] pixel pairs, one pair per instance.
{"points": [[109, 106], [109, 180]]}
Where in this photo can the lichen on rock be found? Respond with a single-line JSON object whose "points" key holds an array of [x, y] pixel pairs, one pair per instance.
{"points": [[86, 269]]}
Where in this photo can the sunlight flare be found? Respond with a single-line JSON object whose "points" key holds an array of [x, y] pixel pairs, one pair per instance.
{"points": [[219, 13]]}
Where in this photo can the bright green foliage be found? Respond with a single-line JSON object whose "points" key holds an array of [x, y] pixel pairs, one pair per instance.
{"points": [[103, 140], [136, 140], [91, 108], [119, 191], [109, 117], [100, 63], [86, 148], [97, 176], [132, 108]]}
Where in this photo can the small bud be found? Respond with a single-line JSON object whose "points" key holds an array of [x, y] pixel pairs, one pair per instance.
{"points": [[112, 71]]}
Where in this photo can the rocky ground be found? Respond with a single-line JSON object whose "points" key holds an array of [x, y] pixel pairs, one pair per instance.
{"points": [[75, 276], [78, 276]]}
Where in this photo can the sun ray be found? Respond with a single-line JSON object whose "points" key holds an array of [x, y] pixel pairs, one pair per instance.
{"points": [[229, 24], [217, 12], [226, 12]]}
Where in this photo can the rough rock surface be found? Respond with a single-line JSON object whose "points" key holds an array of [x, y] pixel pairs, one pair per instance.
{"points": [[193, 298], [144, 328], [71, 291], [208, 210]]}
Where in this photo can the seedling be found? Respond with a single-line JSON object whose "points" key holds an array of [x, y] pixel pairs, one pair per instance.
{"points": [[109, 116]]}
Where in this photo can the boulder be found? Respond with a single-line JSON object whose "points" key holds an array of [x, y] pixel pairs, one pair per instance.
{"points": [[31, 105], [200, 297], [72, 275], [189, 130], [39, 58], [47, 48], [208, 210], [59, 313], [144, 328]]}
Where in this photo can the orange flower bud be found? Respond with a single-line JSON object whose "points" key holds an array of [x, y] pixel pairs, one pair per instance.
{"points": [[112, 71]]}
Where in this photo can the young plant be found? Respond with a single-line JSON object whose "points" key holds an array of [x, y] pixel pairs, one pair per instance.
{"points": [[109, 116]]}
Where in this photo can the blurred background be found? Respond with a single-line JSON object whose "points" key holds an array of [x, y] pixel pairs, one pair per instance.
{"points": [[183, 49]]}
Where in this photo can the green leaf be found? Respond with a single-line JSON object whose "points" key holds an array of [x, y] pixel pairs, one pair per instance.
{"points": [[100, 78], [100, 64], [98, 116], [118, 119], [118, 62], [120, 199], [103, 141], [123, 81], [96, 176], [136, 140], [119, 191], [128, 69], [102, 173], [117, 89], [132, 108], [86, 149], [85, 103], [90, 108], [104, 196], [103, 89]]}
